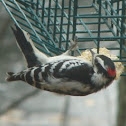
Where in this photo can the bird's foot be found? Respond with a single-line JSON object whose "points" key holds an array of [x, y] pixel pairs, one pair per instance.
{"points": [[74, 44]]}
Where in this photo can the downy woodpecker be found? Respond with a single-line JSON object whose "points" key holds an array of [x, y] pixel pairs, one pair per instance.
{"points": [[63, 74]]}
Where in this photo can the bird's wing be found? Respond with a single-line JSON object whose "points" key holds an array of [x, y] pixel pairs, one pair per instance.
{"points": [[73, 69], [30, 52]]}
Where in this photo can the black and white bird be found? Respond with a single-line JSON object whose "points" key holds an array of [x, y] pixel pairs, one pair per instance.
{"points": [[63, 74]]}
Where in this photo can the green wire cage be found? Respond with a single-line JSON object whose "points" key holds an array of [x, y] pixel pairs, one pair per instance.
{"points": [[52, 23]]}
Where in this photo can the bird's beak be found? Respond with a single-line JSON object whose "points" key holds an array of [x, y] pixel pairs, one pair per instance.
{"points": [[93, 56], [93, 53]]}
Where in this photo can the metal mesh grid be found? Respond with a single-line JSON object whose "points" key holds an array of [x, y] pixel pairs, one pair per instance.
{"points": [[52, 23]]}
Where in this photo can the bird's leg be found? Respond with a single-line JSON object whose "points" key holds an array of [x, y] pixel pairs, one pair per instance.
{"points": [[73, 46]]}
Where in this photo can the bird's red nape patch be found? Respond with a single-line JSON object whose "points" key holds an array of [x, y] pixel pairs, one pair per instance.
{"points": [[112, 73]]}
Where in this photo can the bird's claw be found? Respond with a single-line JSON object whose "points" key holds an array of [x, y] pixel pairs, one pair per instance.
{"points": [[74, 44]]}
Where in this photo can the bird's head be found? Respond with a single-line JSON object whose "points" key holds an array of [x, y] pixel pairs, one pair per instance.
{"points": [[103, 64]]}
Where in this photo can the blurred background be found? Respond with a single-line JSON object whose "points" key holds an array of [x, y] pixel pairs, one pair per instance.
{"points": [[23, 105]]}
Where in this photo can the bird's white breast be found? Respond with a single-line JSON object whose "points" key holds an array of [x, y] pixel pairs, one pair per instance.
{"points": [[58, 84]]}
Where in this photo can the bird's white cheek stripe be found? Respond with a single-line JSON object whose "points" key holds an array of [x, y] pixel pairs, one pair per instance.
{"points": [[101, 62]]}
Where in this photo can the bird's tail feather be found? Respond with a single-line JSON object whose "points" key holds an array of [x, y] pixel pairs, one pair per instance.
{"points": [[11, 77], [26, 77], [30, 52]]}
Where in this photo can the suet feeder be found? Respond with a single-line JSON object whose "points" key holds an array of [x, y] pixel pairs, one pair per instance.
{"points": [[52, 23]]}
